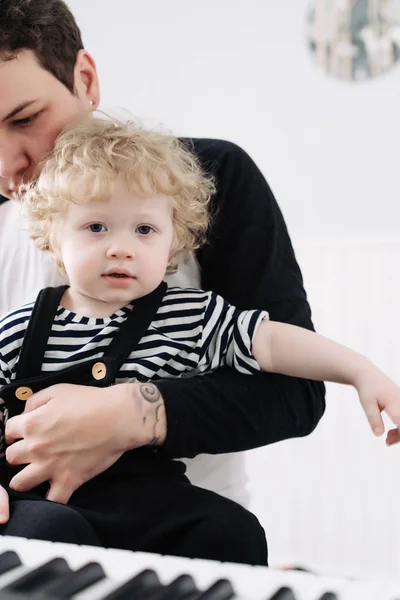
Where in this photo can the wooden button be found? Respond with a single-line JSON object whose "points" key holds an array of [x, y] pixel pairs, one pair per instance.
{"points": [[23, 393], [99, 370]]}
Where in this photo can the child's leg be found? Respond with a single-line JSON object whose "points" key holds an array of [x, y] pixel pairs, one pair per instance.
{"points": [[43, 520], [171, 517], [206, 525]]}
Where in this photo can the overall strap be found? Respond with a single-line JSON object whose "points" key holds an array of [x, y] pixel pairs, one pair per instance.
{"points": [[134, 328], [38, 332], [101, 371], [125, 341]]}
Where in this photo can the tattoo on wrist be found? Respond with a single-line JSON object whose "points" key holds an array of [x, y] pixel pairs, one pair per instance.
{"points": [[150, 392], [152, 395]]}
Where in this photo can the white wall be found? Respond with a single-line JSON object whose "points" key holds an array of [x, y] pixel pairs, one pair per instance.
{"points": [[330, 501], [240, 70]]}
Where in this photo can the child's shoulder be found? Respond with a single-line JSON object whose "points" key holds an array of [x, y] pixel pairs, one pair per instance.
{"points": [[17, 317]]}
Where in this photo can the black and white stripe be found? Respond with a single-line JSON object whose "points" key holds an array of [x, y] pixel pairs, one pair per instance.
{"points": [[193, 332]]}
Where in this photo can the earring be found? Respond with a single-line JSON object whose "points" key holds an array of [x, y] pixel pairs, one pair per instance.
{"points": [[91, 102]]}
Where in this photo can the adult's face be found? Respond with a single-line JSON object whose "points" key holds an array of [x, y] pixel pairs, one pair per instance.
{"points": [[34, 108]]}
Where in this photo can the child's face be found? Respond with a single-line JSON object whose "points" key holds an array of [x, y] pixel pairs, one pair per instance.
{"points": [[114, 251]]}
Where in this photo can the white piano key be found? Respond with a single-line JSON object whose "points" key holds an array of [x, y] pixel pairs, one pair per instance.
{"points": [[12, 575], [250, 583]]}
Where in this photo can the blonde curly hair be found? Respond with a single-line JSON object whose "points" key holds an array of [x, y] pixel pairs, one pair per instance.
{"points": [[88, 157]]}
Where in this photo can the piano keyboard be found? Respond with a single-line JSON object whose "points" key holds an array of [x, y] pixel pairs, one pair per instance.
{"points": [[50, 571]]}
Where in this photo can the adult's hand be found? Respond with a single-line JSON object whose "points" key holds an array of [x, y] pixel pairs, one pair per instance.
{"points": [[68, 434]]}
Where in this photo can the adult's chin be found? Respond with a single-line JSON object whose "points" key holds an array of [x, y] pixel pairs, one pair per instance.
{"points": [[3, 198], [15, 196], [9, 195]]}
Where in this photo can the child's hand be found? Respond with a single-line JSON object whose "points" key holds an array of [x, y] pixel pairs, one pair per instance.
{"points": [[4, 506], [377, 393]]}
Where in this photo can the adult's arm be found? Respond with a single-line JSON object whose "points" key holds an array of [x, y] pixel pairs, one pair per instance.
{"points": [[249, 260]]}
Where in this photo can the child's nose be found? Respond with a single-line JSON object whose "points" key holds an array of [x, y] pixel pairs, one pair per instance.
{"points": [[121, 251]]}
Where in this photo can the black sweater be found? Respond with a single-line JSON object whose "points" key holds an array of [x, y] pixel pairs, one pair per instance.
{"points": [[249, 260]]}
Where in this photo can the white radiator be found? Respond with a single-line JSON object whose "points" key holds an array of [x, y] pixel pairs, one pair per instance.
{"points": [[332, 501]]}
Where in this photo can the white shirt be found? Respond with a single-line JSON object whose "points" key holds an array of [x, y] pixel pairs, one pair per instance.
{"points": [[25, 270]]}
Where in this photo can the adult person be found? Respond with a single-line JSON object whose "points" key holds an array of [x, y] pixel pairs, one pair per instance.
{"points": [[47, 79]]}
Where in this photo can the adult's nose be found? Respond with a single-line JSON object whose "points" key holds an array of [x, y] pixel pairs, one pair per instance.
{"points": [[13, 163]]}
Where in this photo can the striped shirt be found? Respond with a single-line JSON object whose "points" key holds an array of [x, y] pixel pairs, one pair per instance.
{"points": [[192, 332]]}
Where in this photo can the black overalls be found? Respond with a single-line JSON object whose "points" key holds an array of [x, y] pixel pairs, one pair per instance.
{"points": [[143, 501]]}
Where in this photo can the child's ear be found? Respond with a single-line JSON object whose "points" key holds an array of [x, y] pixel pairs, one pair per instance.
{"points": [[55, 254], [172, 265]]}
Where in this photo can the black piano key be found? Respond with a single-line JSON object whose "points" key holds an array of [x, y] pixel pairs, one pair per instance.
{"points": [[74, 582], [284, 593], [329, 596], [9, 560], [182, 588], [141, 585], [40, 577], [220, 590]]}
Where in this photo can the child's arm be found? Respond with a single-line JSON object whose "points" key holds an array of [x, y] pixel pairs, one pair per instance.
{"points": [[4, 506], [294, 351]]}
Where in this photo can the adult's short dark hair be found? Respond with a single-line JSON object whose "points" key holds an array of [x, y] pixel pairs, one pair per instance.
{"points": [[48, 28]]}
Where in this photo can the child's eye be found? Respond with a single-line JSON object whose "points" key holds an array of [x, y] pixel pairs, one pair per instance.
{"points": [[144, 229], [97, 228]]}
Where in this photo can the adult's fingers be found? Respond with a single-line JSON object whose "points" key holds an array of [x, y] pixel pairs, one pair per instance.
{"points": [[18, 453], [22, 425], [28, 478], [15, 428], [39, 399], [59, 493]]}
